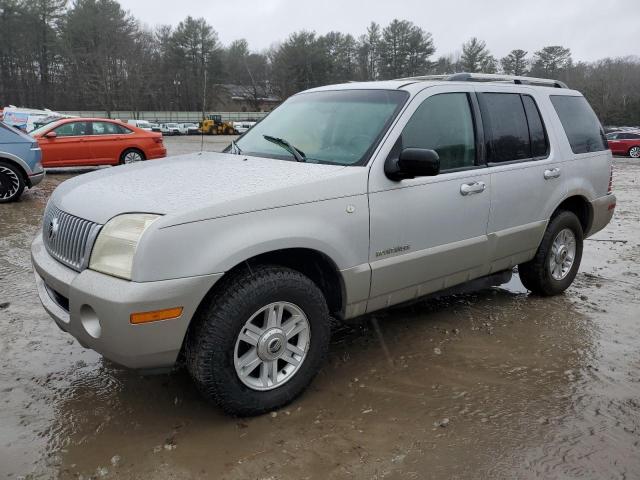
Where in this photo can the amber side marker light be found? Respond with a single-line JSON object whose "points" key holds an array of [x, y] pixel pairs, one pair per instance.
{"points": [[155, 316]]}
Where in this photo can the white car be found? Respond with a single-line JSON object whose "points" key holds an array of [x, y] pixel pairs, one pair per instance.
{"points": [[242, 127], [188, 129], [170, 129], [143, 124]]}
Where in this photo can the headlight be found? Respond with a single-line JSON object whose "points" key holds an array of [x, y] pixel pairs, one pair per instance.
{"points": [[117, 242]]}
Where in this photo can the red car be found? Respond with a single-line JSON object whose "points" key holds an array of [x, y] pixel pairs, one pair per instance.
{"points": [[625, 143], [96, 141]]}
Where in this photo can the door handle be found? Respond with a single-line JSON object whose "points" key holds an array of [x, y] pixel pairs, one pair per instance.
{"points": [[471, 188], [553, 173]]}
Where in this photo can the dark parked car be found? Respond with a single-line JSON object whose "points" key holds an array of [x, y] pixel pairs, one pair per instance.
{"points": [[20, 163]]}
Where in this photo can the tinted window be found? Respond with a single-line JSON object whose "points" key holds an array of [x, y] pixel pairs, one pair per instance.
{"points": [[537, 133], [612, 136], [628, 136], [73, 129], [507, 133], [444, 123], [580, 124]]}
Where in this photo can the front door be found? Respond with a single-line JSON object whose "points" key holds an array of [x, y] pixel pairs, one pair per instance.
{"points": [[69, 147], [430, 233]]}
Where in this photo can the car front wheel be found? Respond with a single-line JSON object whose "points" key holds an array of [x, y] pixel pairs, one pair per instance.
{"points": [[11, 182], [634, 152], [257, 343]]}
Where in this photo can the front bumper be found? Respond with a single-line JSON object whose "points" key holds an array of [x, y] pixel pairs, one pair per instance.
{"points": [[36, 178], [95, 309], [602, 209]]}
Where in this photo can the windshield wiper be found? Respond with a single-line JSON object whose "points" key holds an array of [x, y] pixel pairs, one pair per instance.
{"points": [[235, 149], [296, 152]]}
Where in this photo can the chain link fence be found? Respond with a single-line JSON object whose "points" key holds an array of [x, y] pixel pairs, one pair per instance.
{"points": [[169, 117]]}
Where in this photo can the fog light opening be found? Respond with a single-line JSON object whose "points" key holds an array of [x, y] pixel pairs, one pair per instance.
{"points": [[90, 321]]}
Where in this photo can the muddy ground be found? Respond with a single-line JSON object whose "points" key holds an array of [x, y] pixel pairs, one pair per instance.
{"points": [[491, 384]]}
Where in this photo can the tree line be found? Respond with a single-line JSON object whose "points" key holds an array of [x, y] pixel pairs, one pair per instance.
{"points": [[94, 55]]}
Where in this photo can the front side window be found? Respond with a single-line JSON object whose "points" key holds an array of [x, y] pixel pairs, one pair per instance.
{"points": [[444, 123], [340, 127], [506, 129], [73, 129], [583, 129]]}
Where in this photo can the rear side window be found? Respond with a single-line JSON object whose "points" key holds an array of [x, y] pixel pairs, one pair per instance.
{"points": [[507, 132], [580, 123], [444, 123], [537, 133], [106, 128]]}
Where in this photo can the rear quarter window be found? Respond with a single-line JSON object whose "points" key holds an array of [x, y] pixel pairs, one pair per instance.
{"points": [[580, 123]]}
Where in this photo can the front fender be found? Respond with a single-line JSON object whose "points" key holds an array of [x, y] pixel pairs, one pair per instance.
{"points": [[338, 228]]}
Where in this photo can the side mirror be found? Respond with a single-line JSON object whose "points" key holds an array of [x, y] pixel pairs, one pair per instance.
{"points": [[411, 163], [51, 135]]}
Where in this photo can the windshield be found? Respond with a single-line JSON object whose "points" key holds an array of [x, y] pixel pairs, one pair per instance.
{"points": [[339, 127]]}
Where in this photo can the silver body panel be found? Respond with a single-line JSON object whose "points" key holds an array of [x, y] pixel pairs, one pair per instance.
{"points": [[390, 241]]}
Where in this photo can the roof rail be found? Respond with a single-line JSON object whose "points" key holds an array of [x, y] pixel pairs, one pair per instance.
{"points": [[491, 77]]}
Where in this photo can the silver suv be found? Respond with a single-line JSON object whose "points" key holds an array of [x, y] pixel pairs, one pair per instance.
{"points": [[345, 200]]}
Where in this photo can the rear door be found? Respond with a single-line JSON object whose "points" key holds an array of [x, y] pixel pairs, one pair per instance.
{"points": [[106, 142], [526, 173], [69, 147]]}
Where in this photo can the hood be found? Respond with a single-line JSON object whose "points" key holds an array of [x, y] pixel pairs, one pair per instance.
{"points": [[205, 185]]}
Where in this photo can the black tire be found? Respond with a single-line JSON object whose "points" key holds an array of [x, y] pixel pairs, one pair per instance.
{"points": [[12, 182], [536, 274], [211, 340], [131, 150], [634, 152]]}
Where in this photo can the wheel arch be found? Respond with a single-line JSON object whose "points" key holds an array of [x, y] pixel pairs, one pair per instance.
{"points": [[19, 166], [581, 207], [312, 263]]}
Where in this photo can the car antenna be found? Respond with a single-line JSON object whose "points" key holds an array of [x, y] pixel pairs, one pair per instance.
{"points": [[204, 108]]}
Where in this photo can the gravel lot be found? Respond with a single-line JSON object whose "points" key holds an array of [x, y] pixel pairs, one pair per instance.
{"points": [[489, 384]]}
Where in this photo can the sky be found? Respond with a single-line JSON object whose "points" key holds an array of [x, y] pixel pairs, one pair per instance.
{"points": [[592, 29]]}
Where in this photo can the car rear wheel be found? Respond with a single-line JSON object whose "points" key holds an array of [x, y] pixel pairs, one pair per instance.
{"points": [[257, 343], [634, 152], [131, 155], [12, 182], [557, 260]]}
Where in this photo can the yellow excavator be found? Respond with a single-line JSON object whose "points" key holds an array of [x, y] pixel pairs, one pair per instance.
{"points": [[213, 125]]}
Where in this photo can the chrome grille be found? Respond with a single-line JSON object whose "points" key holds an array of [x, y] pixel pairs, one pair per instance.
{"points": [[68, 239]]}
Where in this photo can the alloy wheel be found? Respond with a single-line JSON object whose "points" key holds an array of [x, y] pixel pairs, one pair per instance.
{"points": [[563, 254], [9, 183], [272, 346], [132, 157]]}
